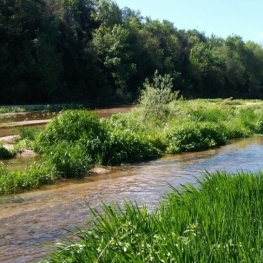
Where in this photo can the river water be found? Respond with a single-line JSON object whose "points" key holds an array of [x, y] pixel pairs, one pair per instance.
{"points": [[29, 221]]}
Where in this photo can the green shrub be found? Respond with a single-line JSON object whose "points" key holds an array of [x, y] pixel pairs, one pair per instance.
{"points": [[124, 146], [67, 159], [236, 128], [69, 126], [193, 137], [5, 153], [156, 96]]}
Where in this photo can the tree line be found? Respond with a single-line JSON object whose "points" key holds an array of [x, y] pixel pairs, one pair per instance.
{"points": [[92, 51]]}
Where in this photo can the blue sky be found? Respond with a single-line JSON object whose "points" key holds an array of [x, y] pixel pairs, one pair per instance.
{"points": [[219, 17]]}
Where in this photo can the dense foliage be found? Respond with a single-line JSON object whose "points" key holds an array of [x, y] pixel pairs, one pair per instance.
{"points": [[76, 140], [218, 221], [93, 51]]}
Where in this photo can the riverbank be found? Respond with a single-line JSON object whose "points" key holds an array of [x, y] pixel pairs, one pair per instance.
{"points": [[218, 221], [76, 140], [32, 220]]}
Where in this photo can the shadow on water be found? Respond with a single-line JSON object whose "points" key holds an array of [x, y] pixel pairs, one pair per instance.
{"points": [[30, 220]]}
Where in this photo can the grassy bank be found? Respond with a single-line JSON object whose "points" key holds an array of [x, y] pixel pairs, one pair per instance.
{"points": [[77, 140], [218, 221]]}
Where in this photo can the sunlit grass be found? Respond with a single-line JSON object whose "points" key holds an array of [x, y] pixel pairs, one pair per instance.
{"points": [[220, 220], [32, 177], [77, 140]]}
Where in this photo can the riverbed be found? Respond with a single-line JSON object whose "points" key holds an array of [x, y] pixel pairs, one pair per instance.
{"points": [[32, 220]]}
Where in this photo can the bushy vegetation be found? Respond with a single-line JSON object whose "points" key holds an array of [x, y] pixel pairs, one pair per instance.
{"points": [[193, 136], [33, 177], [93, 51], [220, 220], [5, 153], [76, 140]]}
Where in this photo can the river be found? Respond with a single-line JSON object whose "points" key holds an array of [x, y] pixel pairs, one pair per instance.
{"points": [[29, 221]]}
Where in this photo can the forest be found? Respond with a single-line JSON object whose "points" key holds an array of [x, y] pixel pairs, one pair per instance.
{"points": [[92, 51]]}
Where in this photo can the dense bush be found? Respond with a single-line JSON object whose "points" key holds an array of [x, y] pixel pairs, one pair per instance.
{"points": [[76, 140], [68, 159], [125, 146], [5, 153], [194, 136], [70, 126]]}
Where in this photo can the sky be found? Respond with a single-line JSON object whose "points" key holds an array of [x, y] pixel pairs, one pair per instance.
{"points": [[219, 17]]}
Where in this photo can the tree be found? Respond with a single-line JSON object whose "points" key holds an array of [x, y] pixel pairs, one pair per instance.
{"points": [[115, 56], [108, 13], [30, 66], [208, 68]]}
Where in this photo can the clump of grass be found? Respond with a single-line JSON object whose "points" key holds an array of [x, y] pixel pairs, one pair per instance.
{"points": [[28, 133], [218, 221], [33, 177]]}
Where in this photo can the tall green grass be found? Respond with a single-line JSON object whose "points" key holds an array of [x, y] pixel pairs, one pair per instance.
{"points": [[32, 177], [220, 220]]}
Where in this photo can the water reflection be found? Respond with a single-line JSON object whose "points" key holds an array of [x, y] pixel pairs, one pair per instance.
{"points": [[29, 220]]}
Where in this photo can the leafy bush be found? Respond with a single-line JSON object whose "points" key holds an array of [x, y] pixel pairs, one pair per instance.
{"points": [[67, 159], [125, 146], [5, 153], [69, 126], [156, 96], [193, 137]]}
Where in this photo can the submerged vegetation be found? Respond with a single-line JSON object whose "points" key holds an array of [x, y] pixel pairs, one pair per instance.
{"points": [[218, 221]]}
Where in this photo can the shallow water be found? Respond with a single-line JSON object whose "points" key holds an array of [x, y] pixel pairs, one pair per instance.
{"points": [[29, 221]]}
